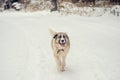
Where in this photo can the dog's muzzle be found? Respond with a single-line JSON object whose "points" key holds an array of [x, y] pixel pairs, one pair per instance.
{"points": [[62, 42]]}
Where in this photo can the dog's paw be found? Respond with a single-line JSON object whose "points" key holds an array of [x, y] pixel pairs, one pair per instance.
{"points": [[62, 69]]}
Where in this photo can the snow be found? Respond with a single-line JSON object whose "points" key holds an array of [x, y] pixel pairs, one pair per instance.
{"points": [[17, 5], [69, 8], [26, 54]]}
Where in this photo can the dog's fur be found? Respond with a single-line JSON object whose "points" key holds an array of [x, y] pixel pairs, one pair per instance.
{"points": [[60, 45]]}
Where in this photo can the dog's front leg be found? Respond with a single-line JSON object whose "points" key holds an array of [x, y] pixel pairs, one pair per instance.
{"points": [[58, 62], [63, 63]]}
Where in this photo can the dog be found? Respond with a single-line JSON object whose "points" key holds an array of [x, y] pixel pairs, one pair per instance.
{"points": [[60, 45]]}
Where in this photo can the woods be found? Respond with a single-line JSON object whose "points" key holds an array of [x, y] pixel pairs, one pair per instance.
{"points": [[53, 5]]}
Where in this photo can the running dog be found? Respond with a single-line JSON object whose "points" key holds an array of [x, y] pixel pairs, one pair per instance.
{"points": [[60, 44]]}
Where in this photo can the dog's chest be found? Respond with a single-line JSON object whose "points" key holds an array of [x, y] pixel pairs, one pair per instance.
{"points": [[60, 51]]}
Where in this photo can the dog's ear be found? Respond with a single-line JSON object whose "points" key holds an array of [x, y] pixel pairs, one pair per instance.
{"points": [[52, 32], [55, 35]]}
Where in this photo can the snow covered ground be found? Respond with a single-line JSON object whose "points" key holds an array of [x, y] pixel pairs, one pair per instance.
{"points": [[26, 54]]}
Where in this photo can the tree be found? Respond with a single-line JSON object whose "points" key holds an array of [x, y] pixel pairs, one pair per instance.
{"points": [[54, 2]]}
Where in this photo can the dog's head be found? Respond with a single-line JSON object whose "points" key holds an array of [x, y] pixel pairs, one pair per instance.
{"points": [[60, 38]]}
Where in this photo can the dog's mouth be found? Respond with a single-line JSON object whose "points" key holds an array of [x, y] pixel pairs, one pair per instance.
{"points": [[62, 44]]}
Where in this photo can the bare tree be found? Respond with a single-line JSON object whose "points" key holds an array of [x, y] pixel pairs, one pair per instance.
{"points": [[26, 2], [54, 2]]}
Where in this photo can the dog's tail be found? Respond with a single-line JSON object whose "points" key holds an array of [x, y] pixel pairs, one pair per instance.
{"points": [[52, 32]]}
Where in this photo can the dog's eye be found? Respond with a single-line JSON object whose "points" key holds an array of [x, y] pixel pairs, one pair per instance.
{"points": [[59, 36], [63, 36]]}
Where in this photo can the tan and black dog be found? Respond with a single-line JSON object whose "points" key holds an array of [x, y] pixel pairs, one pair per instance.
{"points": [[60, 45]]}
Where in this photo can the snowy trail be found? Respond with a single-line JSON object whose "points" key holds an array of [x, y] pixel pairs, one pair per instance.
{"points": [[26, 54]]}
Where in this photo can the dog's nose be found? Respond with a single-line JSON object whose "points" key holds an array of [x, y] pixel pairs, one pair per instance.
{"points": [[62, 40]]}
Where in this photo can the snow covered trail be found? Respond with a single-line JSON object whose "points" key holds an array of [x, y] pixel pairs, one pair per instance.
{"points": [[26, 54]]}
